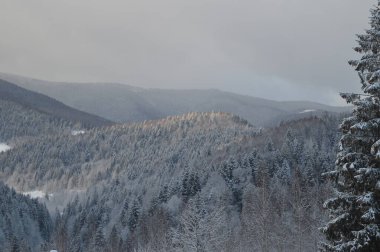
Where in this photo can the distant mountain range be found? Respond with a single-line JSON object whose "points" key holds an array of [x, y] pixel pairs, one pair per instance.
{"points": [[123, 103], [46, 105]]}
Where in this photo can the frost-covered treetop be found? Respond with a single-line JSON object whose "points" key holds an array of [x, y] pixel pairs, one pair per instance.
{"points": [[209, 119], [368, 66], [355, 209]]}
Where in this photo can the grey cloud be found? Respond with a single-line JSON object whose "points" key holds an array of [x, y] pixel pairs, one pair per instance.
{"points": [[279, 49]]}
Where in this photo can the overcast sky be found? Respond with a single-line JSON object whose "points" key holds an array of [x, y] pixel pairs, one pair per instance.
{"points": [[277, 49]]}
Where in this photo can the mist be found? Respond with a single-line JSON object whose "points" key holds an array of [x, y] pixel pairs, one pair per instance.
{"points": [[277, 49]]}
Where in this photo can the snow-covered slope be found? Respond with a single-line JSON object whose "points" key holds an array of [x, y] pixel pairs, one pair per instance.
{"points": [[143, 179], [4, 147], [41, 103]]}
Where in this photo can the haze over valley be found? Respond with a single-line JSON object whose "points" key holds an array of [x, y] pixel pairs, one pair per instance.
{"points": [[189, 126]]}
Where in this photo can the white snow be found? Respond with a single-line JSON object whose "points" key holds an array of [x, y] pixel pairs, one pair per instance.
{"points": [[77, 132], [35, 194], [307, 111], [4, 147], [53, 250]]}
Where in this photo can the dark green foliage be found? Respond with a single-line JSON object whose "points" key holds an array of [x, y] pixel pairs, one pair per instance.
{"points": [[355, 208]]}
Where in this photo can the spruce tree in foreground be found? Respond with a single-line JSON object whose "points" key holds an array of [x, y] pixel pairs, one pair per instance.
{"points": [[355, 210]]}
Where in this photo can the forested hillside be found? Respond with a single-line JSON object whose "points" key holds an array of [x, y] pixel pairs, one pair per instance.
{"points": [[209, 181], [49, 106], [19, 121], [199, 129], [123, 151], [25, 224]]}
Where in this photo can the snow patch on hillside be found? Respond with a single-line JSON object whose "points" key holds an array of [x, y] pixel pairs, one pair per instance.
{"points": [[77, 132], [37, 194], [4, 147], [307, 111]]}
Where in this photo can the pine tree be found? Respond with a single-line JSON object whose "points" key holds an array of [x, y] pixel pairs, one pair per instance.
{"points": [[113, 239], [185, 188], [124, 214], [15, 247], [163, 196], [355, 209], [134, 216], [283, 173], [253, 161], [100, 241], [194, 184], [190, 185]]}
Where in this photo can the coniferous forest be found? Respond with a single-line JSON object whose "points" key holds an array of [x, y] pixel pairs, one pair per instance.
{"points": [[200, 181]]}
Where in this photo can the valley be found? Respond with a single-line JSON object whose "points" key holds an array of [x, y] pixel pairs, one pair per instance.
{"points": [[189, 126], [133, 186]]}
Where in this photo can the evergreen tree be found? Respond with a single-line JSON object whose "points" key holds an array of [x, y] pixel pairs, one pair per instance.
{"points": [[355, 209], [164, 194], [226, 172], [194, 184], [283, 173], [113, 239], [15, 247], [134, 216], [253, 161], [185, 190], [190, 185], [124, 214], [100, 241]]}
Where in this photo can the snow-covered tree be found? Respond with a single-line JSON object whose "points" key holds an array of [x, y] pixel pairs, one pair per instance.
{"points": [[100, 241], [355, 209], [124, 214], [134, 215], [201, 229]]}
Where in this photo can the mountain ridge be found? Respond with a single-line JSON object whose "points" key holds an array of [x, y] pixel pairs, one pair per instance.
{"points": [[124, 103], [47, 105]]}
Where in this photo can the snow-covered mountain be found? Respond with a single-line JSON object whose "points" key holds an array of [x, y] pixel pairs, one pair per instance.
{"points": [[205, 178], [12, 93], [128, 182], [123, 103]]}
